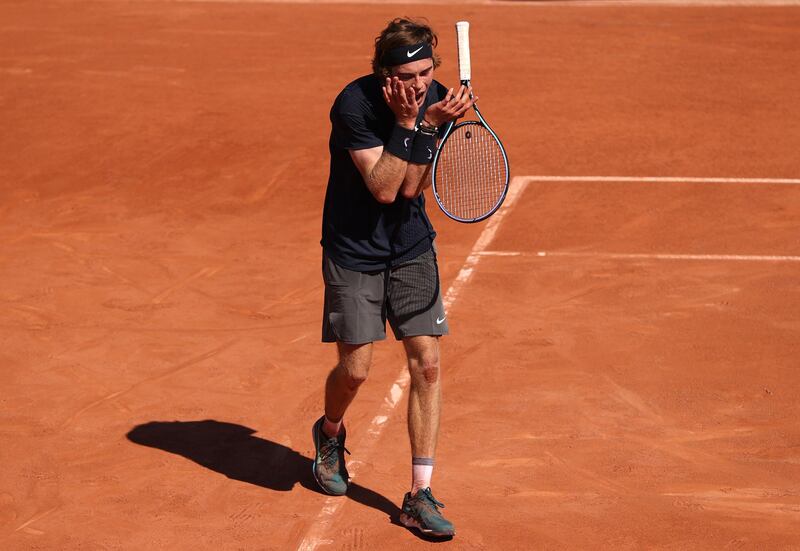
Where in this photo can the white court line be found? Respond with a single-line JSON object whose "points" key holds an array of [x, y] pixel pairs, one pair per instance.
{"points": [[646, 256], [657, 179], [319, 527], [645, 3], [316, 535], [663, 179], [529, 3]]}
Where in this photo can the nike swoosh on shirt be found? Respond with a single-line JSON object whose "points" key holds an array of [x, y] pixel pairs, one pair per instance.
{"points": [[440, 321], [412, 54]]}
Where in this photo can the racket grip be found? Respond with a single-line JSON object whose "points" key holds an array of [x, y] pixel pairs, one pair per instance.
{"points": [[464, 67]]}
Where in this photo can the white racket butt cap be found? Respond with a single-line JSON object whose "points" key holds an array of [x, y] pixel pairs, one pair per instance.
{"points": [[462, 34]]}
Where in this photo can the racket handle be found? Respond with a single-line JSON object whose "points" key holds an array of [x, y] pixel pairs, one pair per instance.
{"points": [[464, 67]]}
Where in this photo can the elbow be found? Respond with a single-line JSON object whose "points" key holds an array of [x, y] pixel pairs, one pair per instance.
{"points": [[385, 198], [382, 193]]}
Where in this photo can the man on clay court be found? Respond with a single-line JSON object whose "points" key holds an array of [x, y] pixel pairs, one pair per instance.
{"points": [[379, 260]]}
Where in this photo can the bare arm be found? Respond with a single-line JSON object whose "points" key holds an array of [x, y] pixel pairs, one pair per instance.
{"points": [[418, 178], [383, 173], [386, 175]]}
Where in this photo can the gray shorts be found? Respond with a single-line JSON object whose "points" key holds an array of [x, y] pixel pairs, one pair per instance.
{"points": [[358, 304]]}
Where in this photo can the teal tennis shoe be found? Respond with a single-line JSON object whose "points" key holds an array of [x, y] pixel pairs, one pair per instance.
{"points": [[421, 511], [330, 471]]}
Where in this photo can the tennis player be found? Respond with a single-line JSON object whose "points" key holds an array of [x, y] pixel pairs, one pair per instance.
{"points": [[376, 238]]}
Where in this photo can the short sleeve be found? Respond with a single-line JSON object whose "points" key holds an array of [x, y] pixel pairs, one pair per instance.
{"points": [[352, 127]]}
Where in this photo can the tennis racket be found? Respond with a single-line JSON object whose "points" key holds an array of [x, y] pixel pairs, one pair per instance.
{"points": [[470, 169]]}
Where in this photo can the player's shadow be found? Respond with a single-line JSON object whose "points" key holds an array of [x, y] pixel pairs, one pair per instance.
{"points": [[233, 451]]}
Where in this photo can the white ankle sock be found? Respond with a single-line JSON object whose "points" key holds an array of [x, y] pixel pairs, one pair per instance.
{"points": [[421, 473]]}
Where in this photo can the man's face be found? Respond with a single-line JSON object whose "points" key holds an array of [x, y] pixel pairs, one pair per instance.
{"points": [[417, 74]]}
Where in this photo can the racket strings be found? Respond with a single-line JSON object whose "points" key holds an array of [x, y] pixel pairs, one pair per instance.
{"points": [[472, 175]]}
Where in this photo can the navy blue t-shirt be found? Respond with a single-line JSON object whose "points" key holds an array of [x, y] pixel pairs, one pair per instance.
{"points": [[358, 232]]}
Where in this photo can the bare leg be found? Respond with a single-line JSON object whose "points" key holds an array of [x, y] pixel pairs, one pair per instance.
{"points": [[424, 401], [420, 508], [344, 380]]}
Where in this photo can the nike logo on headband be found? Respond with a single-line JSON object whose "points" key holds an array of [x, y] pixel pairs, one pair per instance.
{"points": [[412, 54]]}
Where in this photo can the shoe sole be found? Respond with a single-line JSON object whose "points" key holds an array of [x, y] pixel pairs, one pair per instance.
{"points": [[411, 522], [314, 465]]}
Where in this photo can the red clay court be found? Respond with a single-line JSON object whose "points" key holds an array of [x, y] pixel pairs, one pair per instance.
{"points": [[622, 368]]}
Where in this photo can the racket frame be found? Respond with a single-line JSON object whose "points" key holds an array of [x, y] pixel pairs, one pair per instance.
{"points": [[451, 126]]}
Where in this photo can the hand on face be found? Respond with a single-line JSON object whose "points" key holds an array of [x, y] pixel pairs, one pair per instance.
{"points": [[453, 106], [402, 102]]}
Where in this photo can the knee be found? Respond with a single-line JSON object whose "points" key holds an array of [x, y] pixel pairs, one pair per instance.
{"points": [[425, 368], [353, 378], [353, 366]]}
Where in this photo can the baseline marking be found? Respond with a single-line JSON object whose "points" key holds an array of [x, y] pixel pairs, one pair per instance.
{"points": [[316, 534], [532, 3], [663, 179], [647, 256], [645, 3], [655, 256]]}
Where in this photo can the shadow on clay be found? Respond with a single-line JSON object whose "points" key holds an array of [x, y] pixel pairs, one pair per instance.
{"points": [[233, 451]]}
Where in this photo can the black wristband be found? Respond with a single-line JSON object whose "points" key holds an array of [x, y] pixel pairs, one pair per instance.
{"points": [[400, 142], [424, 148]]}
